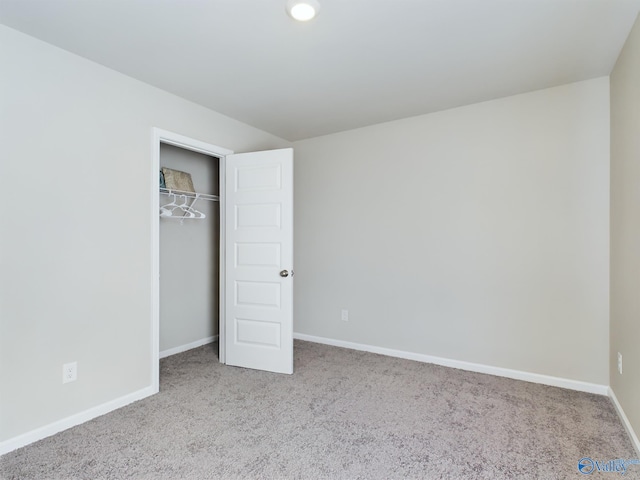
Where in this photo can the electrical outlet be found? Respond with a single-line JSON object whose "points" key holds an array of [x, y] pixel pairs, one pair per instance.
{"points": [[69, 372], [345, 315], [619, 363]]}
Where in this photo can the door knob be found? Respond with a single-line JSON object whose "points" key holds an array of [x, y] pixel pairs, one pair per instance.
{"points": [[284, 273]]}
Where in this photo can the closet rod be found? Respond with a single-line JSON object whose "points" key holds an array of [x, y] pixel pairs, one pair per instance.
{"points": [[199, 196]]}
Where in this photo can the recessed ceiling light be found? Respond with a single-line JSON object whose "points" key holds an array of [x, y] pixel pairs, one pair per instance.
{"points": [[302, 10]]}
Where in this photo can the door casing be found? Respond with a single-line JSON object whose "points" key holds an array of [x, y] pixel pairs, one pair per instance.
{"points": [[163, 136]]}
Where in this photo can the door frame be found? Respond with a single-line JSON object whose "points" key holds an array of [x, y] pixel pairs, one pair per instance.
{"points": [[163, 136]]}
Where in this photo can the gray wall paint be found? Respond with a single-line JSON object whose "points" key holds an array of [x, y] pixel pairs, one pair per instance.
{"points": [[75, 265], [477, 234], [189, 256], [625, 227]]}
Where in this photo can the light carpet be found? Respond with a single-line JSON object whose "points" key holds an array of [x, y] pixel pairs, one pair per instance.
{"points": [[343, 414]]}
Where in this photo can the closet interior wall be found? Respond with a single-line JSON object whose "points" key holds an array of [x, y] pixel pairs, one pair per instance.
{"points": [[189, 262]]}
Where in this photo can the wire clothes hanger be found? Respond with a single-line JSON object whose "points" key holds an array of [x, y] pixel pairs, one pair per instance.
{"points": [[181, 211]]}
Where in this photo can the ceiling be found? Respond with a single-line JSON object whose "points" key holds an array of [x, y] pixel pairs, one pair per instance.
{"points": [[360, 62]]}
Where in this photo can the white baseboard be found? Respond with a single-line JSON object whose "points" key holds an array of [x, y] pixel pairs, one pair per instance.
{"points": [[471, 367], [188, 346], [56, 427], [625, 421], [60, 425]]}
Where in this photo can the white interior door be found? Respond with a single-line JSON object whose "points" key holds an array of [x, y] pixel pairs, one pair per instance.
{"points": [[259, 260]]}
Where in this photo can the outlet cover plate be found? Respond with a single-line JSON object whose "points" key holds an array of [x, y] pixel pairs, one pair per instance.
{"points": [[619, 363], [69, 372]]}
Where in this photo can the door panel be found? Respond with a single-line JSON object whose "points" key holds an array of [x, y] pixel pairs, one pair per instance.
{"points": [[258, 216], [259, 245], [258, 255], [258, 332], [259, 294]]}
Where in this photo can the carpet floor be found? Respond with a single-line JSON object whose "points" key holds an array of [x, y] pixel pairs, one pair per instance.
{"points": [[343, 414]]}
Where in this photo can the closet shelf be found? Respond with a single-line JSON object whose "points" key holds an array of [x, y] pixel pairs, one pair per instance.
{"points": [[194, 195]]}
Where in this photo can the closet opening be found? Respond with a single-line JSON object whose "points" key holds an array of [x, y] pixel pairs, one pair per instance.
{"points": [[243, 244], [188, 247], [189, 237]]}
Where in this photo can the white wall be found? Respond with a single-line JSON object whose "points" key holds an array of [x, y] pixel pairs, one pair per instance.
{"points": [[477, 234], [625, 228], [189, 257], [75, 264]]}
